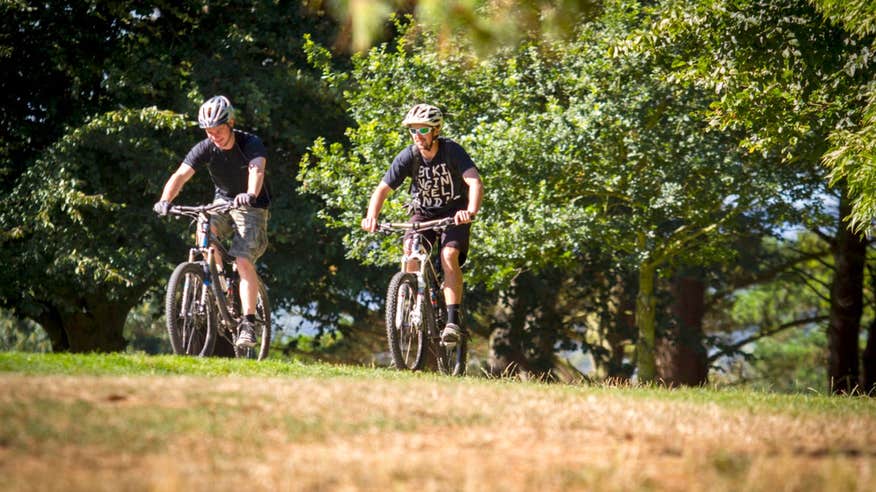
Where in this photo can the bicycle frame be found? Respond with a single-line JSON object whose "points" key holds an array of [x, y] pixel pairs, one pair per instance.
{"points": [[426, 274], [414, 323], [206, 246], [214, 268]]}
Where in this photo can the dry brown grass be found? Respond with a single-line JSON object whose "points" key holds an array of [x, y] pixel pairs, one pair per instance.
{"points": [[418, 433]]}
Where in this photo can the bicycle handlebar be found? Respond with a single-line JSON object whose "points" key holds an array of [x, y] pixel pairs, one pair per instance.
{"points": [[194, 211], [415, 226]]}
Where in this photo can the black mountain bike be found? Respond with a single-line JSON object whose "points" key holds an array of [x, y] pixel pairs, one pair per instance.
{"points": [[415, 307], [203, 295]]}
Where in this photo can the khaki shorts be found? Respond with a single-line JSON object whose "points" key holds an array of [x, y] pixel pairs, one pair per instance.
{"points": [[248, 228]]}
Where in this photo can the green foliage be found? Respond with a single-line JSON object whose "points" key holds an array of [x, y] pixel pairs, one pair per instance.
{"points": [[21, 335], [790, 81], [78, 222], [792, 362], [146, 329]]}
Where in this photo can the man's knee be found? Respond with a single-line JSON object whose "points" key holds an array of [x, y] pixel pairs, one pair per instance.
{"points": [[244, 264], [450, 257]]}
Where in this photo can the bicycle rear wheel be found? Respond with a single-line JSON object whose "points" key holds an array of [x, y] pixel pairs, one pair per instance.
{"points": [[406, 335], [452, 360], [191, 317], [260, 350]]}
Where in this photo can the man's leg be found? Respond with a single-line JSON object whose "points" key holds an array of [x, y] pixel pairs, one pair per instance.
{"points": [[452, 294], [249, 294], [249, 285], [248, 244]]}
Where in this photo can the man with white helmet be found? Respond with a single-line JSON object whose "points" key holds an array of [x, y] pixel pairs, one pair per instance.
{"points": [[445, 183], [236, 163]]}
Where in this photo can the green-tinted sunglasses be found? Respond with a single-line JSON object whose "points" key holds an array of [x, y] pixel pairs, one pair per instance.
{"points": [[422, 131]]}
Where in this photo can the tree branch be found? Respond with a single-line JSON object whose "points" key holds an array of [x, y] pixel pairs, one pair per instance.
{"points": [[824, 237], [766, 275], [729, 349], [809, 280]]}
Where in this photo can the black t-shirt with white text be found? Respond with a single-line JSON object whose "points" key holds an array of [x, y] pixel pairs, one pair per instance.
{"points": [[438, 190], [229, 169]]}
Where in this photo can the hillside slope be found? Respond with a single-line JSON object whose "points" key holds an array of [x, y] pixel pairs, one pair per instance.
{"points": [[123, 422]]}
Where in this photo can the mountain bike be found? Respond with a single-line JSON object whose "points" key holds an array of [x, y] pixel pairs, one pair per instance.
{"points": [[203, 295], [415, 307]]}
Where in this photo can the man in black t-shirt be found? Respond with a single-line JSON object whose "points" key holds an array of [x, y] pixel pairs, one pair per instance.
{"points": [[445, 183], [236, 163]]}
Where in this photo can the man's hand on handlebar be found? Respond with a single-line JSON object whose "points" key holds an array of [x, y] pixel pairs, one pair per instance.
{"points": [[244, 200], [463, 217], [161, 207], [369, 224]]}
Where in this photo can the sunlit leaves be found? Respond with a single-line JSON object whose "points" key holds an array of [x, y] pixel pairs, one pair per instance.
{"points": [[81, 212], [481, 25]]}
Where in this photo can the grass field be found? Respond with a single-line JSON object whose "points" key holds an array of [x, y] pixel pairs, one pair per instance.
{"points": [[136, 422]]}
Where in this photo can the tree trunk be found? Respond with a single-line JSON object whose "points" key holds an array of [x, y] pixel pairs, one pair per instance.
{"points": [[868, 379], [681, 356], [525, 330], [846, 304], [617, 331], [97, 326], [505, 357], [646, 303]]}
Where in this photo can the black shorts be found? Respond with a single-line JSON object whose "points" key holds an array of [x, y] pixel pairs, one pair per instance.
{"points": [[454, 236]]}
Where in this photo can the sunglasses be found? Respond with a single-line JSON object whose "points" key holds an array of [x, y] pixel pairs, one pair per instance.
{"points": [[422, 131]]}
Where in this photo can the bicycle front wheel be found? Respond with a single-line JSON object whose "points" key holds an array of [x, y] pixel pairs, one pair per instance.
{"points": [[406, 315], [191, 318]]}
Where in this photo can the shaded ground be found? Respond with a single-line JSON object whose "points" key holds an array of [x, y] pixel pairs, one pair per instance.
{"points": [[426, 433]]}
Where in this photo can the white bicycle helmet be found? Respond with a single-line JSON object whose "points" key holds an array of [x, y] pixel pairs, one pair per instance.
{"points": [[424, 114], [216, 111]]}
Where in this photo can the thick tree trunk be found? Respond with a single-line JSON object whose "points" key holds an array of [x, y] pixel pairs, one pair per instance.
{"points": [[646, 303], [97, 326], [682, 359], [846, 305]]}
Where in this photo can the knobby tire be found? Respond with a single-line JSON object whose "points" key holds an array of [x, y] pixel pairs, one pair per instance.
{"points": [[407, 342], [191, 323]]}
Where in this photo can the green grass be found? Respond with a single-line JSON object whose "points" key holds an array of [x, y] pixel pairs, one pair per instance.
{"points": [[121, 364]]}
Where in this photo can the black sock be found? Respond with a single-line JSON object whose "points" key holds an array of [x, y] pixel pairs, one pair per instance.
{"points": [[250, 318], [453, 314]]}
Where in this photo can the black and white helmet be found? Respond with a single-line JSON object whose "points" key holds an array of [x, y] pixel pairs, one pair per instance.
{"points": [[424, 114], [216, 111]]}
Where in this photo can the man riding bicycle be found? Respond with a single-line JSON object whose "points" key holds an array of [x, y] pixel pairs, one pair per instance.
{"points": [[445, 183], [236, 161]]}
